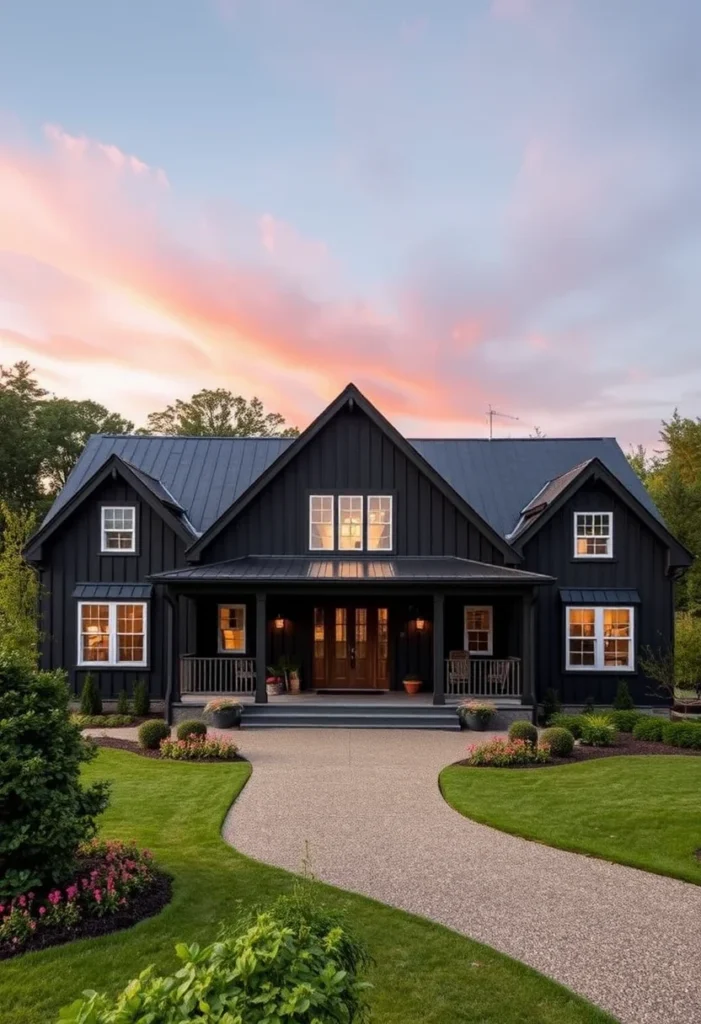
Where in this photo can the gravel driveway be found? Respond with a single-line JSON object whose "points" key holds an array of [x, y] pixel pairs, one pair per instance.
{"points": [[369, 806]]}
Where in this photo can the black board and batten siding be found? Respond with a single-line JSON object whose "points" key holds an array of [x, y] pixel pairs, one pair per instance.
{"points": [[72, 555], [639, 563]]}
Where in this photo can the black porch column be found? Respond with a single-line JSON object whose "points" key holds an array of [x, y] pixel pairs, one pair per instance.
{"points": [[172, 655], [261, 638], [438, 651], [528, 646]]}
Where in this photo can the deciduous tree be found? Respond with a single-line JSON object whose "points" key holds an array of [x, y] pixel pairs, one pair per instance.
{"points": [[219, 413]]}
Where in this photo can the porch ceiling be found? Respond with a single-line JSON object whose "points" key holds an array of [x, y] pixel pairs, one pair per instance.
{"points": [[286, 569]]}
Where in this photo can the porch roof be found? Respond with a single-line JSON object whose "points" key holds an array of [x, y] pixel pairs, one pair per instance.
{"points": [[403, 569]]}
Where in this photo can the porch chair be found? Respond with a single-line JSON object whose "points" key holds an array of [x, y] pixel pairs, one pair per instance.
{"points": [[499, 677], [458, 680]]}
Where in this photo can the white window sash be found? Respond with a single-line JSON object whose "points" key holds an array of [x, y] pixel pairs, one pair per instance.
{"points": [[608, 537], [361, 499], [220, 646], [113, 649], [104, 530], [390, 524], [599, 639], [466, 637], [331, 498]]}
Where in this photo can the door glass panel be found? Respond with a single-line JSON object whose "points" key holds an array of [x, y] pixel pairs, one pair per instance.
{"points": [[382, 644], [361, 634], [319, 652], [341, 633]]}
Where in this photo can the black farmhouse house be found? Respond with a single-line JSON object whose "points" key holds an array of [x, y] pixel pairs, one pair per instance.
{"points": [[495, 569]]}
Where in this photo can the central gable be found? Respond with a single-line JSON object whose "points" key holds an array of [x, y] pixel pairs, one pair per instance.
{"points": [[351, 448]]}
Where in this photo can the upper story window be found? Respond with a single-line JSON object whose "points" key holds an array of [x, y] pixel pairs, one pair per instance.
{"points": [[593, 534], [350, 522], [118, 529], [112, 633], [599, 639]]}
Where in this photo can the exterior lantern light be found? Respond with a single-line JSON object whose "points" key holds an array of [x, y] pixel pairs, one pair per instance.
{"points": [[279, 622], [420, 623]]}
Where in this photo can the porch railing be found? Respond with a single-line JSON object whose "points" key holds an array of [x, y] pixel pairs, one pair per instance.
{"points": [[483, 677], [217, 675]]}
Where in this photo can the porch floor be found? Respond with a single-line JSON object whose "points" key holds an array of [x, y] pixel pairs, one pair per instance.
{"points": [[392, 698]]}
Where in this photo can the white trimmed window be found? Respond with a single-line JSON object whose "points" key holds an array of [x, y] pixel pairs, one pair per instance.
{"points": [[593, 534], [479, 629], [599, 639], [118, 528], [380, 522], [232, 629], [321, 522], [112, 633], [350, 522]]}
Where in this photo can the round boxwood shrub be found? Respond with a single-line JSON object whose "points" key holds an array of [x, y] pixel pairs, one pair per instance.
{"points": [[649, 728], [524, 731], [151, 734], [192, 727], [560, 741]]}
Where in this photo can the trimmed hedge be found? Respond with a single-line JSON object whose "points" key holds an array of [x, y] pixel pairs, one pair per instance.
{"points": [[523, 731], [192, 727], [151, 734], [626, 721], [682, 734], [102, 721], [560, 741], [649, 728], [573, 723]]}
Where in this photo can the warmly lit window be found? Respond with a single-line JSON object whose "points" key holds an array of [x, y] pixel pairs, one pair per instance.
{"points": [[478, 629], [379, 522], [232, 629], [112, 633], [593, 534], [600, 639], [321, 522], [350, 522], [118, 529]]}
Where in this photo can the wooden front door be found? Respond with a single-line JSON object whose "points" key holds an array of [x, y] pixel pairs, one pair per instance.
{"points": [[351, 647]]}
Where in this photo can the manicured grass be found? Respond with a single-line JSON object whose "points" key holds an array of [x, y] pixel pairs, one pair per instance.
{"points": [[424, 974], [641, 811]]}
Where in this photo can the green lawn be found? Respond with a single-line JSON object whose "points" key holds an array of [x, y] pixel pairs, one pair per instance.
{"points": [[424, 974], [642, 811]]}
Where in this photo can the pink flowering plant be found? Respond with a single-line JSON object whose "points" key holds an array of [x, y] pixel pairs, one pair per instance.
{"points": [[501, 753], [109, 875], [199, 748]]}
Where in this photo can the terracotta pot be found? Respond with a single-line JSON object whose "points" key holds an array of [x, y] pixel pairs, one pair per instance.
{"points": [[412, 685], [294, 682]]}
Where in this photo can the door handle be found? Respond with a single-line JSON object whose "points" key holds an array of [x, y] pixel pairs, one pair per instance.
{"points": [[352, 657]]}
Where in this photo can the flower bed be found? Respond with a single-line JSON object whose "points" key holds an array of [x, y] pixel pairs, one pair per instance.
{"points": [[103, 721], [199, 748], [114, 886], [500, 753]]}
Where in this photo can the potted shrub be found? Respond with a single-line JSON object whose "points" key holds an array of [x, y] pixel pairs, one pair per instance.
{"points": [[412, 684], [275, 683], [225, 712], [294, 683], [476, 714]]}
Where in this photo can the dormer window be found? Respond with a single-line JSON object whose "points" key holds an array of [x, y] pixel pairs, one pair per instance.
{"points": [[593, 534], [118, 529], [350, 522]]}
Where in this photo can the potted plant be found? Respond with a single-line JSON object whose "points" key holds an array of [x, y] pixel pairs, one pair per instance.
{"points": [[275, 683], [412, 684], [294, 683], [476, 714], [225, 712]]}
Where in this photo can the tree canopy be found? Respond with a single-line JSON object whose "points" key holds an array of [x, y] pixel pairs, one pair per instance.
{"points": [[219, 413]]}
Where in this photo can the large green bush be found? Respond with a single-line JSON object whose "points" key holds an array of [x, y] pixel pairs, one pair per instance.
{"points": [[573, 723], [626, 721], [45, 813], [294, 963], [560, 741], [649, 728], [523, 731], [682, 734]]}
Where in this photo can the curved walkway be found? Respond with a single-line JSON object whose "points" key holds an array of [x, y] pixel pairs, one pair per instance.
{"points": [[368, 805]]}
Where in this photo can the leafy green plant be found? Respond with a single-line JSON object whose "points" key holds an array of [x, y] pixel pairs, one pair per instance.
{"points": [[294, 962], [199, 748], [151, 734], [687, 651], [523, 731], [102, 721], [192, 727], [482, 710], [90, 699], [45, 811], [142, 701], [560, 741], [682, 734], [551, 705], [589, 707], [623, 700], [573, 723], [19, 589], [649, 728], [625, 721], [598, 731], [122, 703], [499, 753]]}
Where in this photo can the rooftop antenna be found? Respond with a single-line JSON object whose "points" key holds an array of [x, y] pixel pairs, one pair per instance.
{"points": [[490, 416]]}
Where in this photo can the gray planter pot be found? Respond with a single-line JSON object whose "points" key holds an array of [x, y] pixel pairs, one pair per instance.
{"points": [[479, 724], [227, 718]]}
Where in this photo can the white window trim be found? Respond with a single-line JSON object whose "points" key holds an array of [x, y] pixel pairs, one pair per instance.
{"points": [[478, 608], [103, 539], [112, 628], [598, 638], [333, 522], [339, 499], [220, 648], [609, 552], [391, 521]]}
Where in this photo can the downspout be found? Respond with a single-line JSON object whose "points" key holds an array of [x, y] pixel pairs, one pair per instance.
{"points": [[168, 714]]}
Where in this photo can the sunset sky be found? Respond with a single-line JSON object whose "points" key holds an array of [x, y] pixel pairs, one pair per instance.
{"points": [[451, 204]]}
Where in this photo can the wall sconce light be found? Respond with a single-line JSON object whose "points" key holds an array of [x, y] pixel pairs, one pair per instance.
{"points": [[279, 622], [420, 624]]}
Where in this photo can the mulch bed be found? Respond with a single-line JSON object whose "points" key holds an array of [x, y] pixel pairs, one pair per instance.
{"points": [[624, 744], [144, 904], [134, 748]]}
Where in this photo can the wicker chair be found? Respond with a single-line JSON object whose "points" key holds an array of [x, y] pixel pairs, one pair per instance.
{"points": [[458, 680]]}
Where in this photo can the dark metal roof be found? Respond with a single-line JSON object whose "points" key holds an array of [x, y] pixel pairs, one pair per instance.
{"points": [[545, 497], [156, 487], [497, 479], [290, 568], [113, 591], [579, 596]]}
